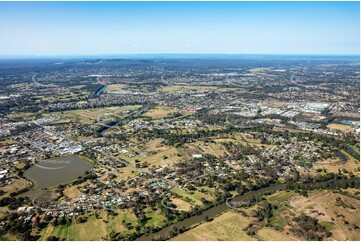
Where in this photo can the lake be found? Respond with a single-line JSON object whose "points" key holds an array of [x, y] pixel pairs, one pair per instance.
{"points": [[52, 172]]}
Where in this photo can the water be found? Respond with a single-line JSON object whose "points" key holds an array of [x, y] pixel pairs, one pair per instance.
{"points": [[100, 90], [52, 172], [210, 212]]}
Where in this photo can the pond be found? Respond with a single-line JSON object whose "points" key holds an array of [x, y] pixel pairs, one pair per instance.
{"points": [[52, 172]]}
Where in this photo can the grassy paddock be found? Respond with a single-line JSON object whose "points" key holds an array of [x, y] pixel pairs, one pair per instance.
{"points": [[228, 226]]}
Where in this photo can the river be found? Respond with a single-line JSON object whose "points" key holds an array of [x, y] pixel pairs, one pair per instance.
{"points": [[210, 212]]}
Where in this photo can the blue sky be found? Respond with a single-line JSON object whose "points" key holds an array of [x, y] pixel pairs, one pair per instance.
{"points": [[91, 28]]}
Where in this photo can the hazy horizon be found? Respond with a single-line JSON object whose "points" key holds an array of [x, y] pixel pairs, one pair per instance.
{"points": [[141, 28]]}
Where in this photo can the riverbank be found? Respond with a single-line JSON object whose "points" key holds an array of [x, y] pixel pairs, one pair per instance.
{"points": [[189, 223]]}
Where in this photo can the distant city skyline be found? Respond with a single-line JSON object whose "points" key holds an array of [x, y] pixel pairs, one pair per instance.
{"points": [[121, 28]]}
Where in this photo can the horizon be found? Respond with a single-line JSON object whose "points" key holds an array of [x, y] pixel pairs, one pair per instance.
{"points": [[161, 28], [168, 55]]}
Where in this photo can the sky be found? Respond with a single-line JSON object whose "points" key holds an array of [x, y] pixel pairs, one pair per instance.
{"points": [[98, 28]]}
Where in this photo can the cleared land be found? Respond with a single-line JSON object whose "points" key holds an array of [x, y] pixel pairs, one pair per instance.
{"points": [[352, 165], [115, 87], [160, 112], [17, 185], [93, 229], [258, 70], [94, 114], [178, 88], [342, 127], [272, 234], [181, 205], [332, 210], [228, 226]]}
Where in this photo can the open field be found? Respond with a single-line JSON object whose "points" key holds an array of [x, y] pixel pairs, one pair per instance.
{"points": [[126, 173], [78, 86], [330, 209], [181, 205], [160, 112], [8, 237], [115, 87], [228, 226], [352, 165], [272, 234], [157, 159], [280, 197], [21, 115], [115, 222], [155, 145], [72, 192], [258, 70], [321, 205], [91, 115], [193, 200], [199, 147], [93, 229], [8, 142], [155, 219], [342, 127], [178, 88], [17, 185]]}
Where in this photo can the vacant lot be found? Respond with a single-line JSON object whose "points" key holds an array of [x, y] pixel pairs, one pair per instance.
{"points": [[178, 88], [94, 114], [126, 173], [333, 165], [17, 185], [72, 192], [116, 87], [181, 205], [215, 149], [183, 193], [336, 212], [258, 70], [157, 158], [93, 229], [272, 234], [160, 112], [228, 226], [342, 127]]}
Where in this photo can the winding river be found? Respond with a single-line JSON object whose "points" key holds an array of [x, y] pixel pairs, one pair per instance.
{"points": [[210, 212]]}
